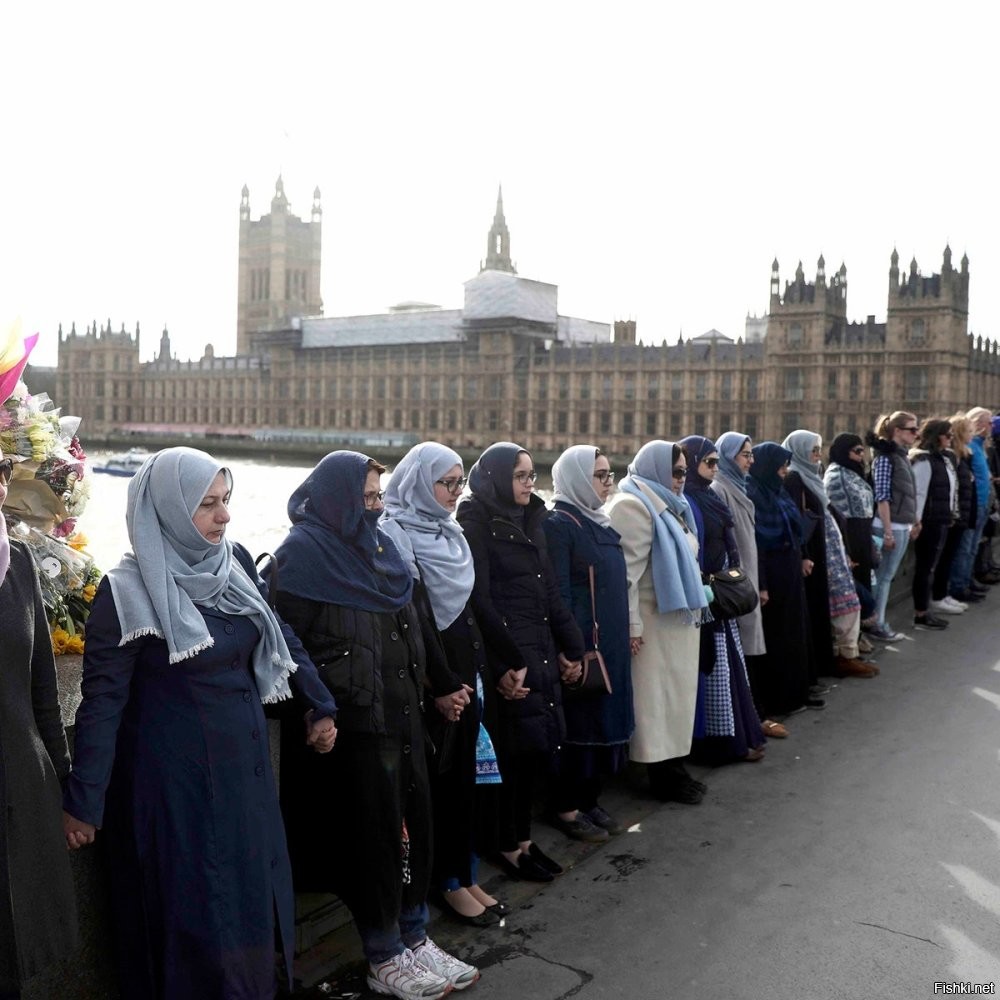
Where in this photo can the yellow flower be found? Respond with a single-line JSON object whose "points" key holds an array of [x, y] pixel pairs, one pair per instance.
{"points": [[88, 592], [60, 637], [78, 540]]}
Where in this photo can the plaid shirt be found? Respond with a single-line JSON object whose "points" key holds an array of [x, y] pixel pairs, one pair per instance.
{"points": [[882, 477]]}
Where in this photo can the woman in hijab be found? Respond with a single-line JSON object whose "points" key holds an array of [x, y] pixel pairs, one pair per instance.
{"points": [[851, 495], [171, 757], [730, 483], [667, 603], [347, 591], [834, 608], [419, 512], [533, 643], [587, 556], [732, 726], [37, 907], [780, 678]]}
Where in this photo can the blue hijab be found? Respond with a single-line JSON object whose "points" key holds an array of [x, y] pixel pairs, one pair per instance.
{"points": [[336, 552], [676, 575], [777, 520]]}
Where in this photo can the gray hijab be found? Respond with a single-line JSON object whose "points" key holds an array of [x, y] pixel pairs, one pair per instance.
{"points": [[172, 571], [801, 443], [427, 535], [573, 479]]}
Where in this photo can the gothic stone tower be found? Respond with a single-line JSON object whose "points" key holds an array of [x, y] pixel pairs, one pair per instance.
{"points": [[798, 329], [927, 343], [498, 242], [279, 269]]}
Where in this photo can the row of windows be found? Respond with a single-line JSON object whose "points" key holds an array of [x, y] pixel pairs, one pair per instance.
{"points": [[915, 384]]}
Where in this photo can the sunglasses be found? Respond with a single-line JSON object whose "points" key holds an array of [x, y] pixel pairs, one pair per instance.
{"points": [[680, 471], [711, 462], [912, 430], [859, 450], [6, 471]]}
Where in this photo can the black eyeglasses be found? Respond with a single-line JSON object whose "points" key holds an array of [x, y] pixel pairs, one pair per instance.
{"points": [[6, 470], [679, 471], [371, 499], [525, 477], [452, 485], [605, 476], [912, 430]]}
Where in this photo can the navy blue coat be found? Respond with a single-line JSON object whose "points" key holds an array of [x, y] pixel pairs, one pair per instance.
{"points": [[573, 546], [172, 761]]}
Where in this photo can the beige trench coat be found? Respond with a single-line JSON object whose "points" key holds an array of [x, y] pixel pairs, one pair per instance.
{"points": [[665, 671]]}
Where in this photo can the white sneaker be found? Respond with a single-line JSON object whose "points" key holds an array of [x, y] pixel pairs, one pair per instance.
{"points": [[402, 976], [945, 607], [458, 974], [948, 599]]}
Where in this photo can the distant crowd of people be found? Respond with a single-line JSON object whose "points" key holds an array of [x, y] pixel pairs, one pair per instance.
{"points": [[443, 654]]}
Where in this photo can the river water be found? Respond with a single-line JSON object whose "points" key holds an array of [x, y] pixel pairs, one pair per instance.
{"points": [[259, 520]]}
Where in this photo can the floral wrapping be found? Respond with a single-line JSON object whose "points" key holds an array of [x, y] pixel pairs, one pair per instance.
{"points": [[47, 494]]}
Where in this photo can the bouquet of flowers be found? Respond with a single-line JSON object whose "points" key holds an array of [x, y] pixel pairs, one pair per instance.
{"points": [[47, 494]]}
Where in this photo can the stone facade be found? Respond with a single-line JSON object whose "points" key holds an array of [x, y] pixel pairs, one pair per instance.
{"points": [[508, 366]]}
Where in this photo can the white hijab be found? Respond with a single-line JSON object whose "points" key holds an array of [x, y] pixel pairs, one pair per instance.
{"points": [[573, 479]]}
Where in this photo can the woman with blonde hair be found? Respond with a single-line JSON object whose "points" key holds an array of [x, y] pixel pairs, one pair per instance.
{"points": [[962, 581], [895, 521]]}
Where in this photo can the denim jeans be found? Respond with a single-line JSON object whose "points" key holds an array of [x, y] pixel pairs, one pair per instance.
{"points": [[381, 945], [965, 555], [891, 558], [451, 884]]}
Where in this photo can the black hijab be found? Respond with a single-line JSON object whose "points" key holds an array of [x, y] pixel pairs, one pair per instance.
{"points": [[491, 480], [840, 452]]}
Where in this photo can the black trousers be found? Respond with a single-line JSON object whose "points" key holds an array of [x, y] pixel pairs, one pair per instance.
{"points": [[927, 548]]}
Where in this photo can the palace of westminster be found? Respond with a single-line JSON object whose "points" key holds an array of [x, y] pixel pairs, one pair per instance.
{"points": [[508, 366]]}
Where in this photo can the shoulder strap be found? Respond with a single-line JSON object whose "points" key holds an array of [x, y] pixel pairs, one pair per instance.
{"points": [[271, 565], [590, 574]]}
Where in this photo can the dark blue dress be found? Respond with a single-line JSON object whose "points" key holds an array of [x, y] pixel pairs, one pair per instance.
{"points": [[573, 545], [172, 762]]}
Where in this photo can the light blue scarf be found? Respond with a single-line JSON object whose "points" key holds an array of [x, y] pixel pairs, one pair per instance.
{"points": [[172, 571], [676, 576], [428, 537]]}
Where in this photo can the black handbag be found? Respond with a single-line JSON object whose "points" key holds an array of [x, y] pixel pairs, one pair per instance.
{"points": [[594, 679], [735, 594]]}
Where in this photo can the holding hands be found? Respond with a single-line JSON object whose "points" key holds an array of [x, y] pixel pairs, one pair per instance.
{"points": [[451, 705], [77, 832], [321, 734], [511, 685]]}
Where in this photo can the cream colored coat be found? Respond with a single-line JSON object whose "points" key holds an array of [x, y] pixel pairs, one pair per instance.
{"points": [[665, 671]]}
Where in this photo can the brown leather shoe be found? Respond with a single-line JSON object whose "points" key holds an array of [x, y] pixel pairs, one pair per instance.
{"points": [[855, 668], [774, 730]]}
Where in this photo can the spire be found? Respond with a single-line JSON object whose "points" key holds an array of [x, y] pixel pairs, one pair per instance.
{"points": [[498, 242], [279, 203], [245, 203], [317, 211]]}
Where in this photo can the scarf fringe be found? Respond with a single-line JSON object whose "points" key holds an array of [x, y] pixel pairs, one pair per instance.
{"points": [[139, 633], [186, 654], [280, 691]]}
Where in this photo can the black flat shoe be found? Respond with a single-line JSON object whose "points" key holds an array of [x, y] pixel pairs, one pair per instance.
{"points": [[500, 908], [526, 869], [543, 860], [488, 918]]}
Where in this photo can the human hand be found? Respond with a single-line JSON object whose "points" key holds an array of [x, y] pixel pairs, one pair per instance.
{"points": [[888, 540], [635, 643], [451, 705], [764, 597], [511, 685], [77, 832], [321, 734], [915, 531], [569, 670], [807, 566]]}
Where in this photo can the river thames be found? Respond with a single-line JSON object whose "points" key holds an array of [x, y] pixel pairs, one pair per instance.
{"points": [[259, 506]]}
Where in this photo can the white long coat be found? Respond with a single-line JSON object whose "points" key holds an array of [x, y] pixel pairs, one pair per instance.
{"points": [[665, 672]]}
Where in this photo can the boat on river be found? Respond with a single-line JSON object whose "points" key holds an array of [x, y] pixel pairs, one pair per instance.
{"points": [[127, 464]]}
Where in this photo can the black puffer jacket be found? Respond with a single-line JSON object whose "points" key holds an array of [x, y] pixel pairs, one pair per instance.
{"points": [[346, 646], [516, 598]]}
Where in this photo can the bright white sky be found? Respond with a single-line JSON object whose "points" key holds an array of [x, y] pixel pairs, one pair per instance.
{"points": [[654, 157]]}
